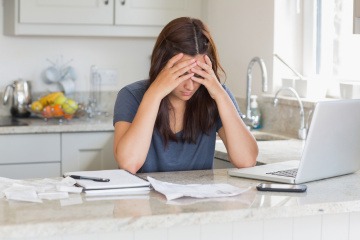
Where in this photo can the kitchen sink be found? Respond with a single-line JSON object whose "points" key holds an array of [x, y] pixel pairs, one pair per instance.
{"points": [[263, 136]]}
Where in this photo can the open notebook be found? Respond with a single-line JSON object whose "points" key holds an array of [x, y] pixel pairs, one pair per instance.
{"points": [[331, 149], [121, 182]]}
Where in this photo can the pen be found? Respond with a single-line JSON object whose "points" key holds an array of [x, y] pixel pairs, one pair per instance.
{"points": [[96, 179]]}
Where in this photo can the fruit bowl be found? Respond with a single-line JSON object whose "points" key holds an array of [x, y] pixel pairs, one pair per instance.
{"points": [[50, 112], [55, 105]]}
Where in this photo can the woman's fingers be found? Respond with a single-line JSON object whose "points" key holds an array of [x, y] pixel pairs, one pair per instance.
{"points": [[207, 66], [208, 61], [174, 60], [200, 74]]}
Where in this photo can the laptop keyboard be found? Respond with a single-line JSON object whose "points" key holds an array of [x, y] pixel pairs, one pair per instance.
{"points": [[285, 173]]}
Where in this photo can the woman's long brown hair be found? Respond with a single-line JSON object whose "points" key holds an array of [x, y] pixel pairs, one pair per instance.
{"points": [[191, 37]]}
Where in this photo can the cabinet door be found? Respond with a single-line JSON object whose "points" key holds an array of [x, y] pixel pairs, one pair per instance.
{"points": [[32, 170], [30, 155], [154, 12], [66, 11], [87, 151], [30, 148]]}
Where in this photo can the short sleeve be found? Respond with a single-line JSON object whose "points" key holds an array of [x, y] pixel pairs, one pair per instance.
{"points": [[219, 123], [126, 106]]}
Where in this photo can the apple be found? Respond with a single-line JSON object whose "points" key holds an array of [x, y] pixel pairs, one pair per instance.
{"points": [[60, 100], [70, 106]]}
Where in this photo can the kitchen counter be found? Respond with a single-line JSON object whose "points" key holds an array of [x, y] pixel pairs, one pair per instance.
{"points": [[38, 125], [326, 203], [269, 151]]}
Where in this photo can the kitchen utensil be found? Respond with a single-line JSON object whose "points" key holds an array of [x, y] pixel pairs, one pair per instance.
{"points": [[21, 97]]}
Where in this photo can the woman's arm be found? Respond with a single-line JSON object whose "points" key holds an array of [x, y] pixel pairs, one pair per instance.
{"points": [[132, 140], [240, 144]]}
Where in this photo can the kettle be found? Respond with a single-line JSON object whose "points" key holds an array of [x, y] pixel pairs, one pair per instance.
{"points": [[21, 97]]}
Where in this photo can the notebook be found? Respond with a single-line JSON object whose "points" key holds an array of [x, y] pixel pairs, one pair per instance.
{"points": [[331, 149], [121, 182]]}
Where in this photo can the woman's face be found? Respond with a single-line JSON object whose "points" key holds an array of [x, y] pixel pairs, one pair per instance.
{"points": [[187, 88]]}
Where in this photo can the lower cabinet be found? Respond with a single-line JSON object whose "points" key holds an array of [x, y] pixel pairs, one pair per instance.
{"points": [[30, 155], [50, 155], [87, 151]]}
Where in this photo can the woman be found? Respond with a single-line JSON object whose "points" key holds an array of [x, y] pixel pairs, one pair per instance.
{"points": [[169, 122]]}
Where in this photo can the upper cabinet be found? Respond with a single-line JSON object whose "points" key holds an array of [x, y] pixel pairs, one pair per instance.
{"points": [[154, 12], [66, 12], [112, 18]]}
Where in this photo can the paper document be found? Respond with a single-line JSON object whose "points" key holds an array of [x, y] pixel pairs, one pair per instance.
{"points": [[173, 191], [119, 178], [37, 190]]}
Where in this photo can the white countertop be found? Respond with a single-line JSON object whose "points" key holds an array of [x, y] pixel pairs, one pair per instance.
{"points": [[269, 151], [55, 218], [38, 125]]}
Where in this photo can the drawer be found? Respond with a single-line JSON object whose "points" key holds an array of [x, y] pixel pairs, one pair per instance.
{"points": [[30, 148], [31, 170]]}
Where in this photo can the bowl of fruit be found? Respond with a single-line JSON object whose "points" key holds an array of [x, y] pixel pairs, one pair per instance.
{"points": [[54, 105]]}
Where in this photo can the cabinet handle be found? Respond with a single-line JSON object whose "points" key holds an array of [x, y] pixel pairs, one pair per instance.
{"points": [[106, 2], [122, 2]]}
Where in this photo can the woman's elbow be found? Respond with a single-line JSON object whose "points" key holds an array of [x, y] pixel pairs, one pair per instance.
{"points": [[247, 160], [127, 163]]}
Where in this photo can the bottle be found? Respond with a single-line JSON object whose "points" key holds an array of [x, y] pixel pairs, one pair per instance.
{"points": [[255, 112]]}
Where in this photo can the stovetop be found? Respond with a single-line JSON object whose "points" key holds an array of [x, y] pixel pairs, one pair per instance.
{"points": [[10, 122]]}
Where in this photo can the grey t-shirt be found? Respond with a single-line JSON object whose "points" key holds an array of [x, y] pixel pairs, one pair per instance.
{"points": [[176, 156]]}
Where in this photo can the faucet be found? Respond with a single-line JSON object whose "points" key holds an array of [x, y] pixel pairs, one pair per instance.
{"points": [[248, 119], [302, 130]]}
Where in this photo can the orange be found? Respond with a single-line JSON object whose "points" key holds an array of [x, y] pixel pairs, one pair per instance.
{"points": [[57, 111]]}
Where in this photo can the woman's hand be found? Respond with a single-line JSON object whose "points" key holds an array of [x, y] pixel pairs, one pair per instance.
{"points": [[207, 77], [174, 73]]}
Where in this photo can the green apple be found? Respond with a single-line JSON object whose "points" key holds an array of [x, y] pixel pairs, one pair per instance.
{"points": [[70, 106], [60, 100]]}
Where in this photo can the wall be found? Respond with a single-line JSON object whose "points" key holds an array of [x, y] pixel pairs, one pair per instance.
{"points": [[242, 30]]}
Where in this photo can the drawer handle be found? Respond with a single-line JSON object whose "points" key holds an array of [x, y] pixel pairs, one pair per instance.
{"points": [[106, 2], [122, 2]]}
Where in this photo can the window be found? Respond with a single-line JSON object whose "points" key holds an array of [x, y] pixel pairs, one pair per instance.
{"points": [[337, 48]]}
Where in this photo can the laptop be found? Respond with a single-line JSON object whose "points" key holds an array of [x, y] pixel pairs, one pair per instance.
{"points": [[332, 147]]}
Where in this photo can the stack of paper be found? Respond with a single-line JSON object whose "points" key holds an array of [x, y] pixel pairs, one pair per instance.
{"points": [[121, 183]]}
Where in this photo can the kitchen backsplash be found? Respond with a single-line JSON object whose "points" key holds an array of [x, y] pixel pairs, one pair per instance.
{"points": [[284, 119]]}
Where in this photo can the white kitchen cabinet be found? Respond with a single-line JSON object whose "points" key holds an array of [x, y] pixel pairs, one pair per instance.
{"points": [[87, 151], [30, 155], [66, 11], [52, 154], [154, 12], [112, 18]]}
